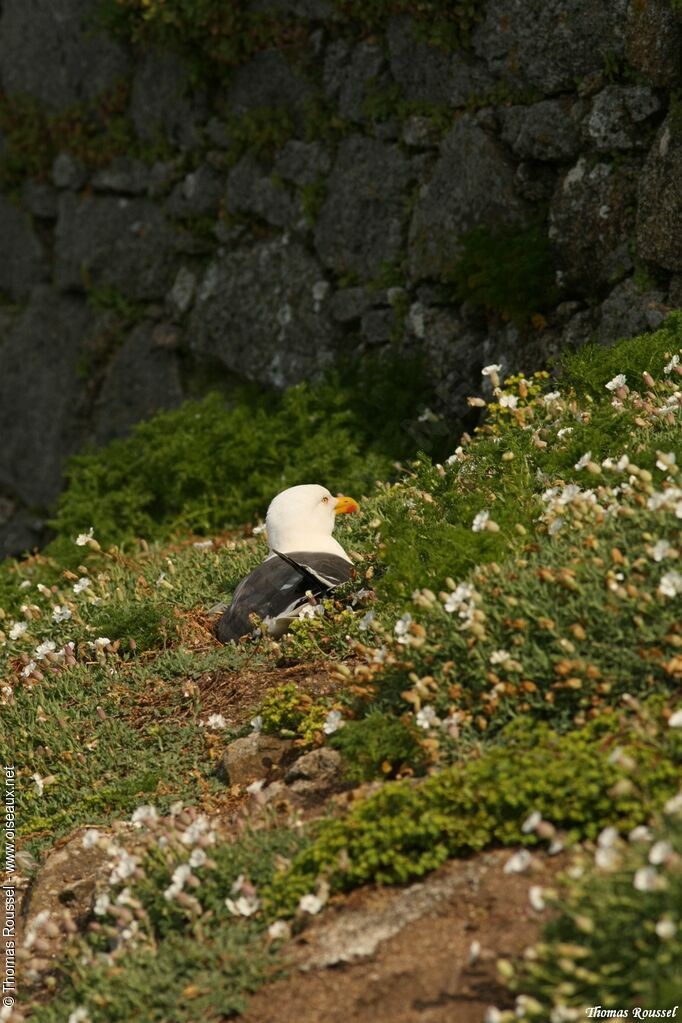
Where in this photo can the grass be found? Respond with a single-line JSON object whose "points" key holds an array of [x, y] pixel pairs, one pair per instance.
{"points": [[528, 664]]}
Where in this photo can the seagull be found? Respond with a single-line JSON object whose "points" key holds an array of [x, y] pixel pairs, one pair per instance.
{"points": [[305, 563]]}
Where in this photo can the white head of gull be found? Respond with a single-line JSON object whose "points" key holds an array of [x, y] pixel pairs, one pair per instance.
{"points": [[303, 518]]}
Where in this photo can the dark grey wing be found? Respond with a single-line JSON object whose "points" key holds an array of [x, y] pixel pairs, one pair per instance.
{"points": [[278, 588]]}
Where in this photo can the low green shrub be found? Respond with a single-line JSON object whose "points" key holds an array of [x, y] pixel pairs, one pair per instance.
{"points": [[507, 270], [408, 829], [212, 464], [377, 745]]}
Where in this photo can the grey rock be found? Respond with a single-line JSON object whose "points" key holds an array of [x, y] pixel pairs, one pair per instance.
{"points": [[617, 115], [20, 533], [360, 224], [161, 102], [259, 313], [675, 292], [541, 131], [255, 757], [52, 51], [268, 81], [314, 10], [316, 772], [39, 198], [66, 173], [628, 311], [141, 379], [591, 222], [581, 329], [534, 181], [350, 75], [472, 183], [549, 43], [420, 132], [302, 163], [348, 304], [23, 264], [251, 191], [377, 326], [659, 208], [454, 356], [654, 41], [124, 243], [124, 174], [41, 395], [198, 194], [181, 294], [162, 176], [426, 73]]}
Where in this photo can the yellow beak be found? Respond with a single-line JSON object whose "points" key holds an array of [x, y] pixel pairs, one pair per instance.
{"points": [[345, 504]]}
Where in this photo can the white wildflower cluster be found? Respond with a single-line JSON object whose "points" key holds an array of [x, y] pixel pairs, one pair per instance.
{"points": [[245, 901], [401, 629], [462, 601]]}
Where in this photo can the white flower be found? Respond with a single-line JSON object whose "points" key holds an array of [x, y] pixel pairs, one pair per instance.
{"points": [[480, 521], [608, 838], [659, 852], [256, 723], [674, 805], [517, 863], [553, 396], [666, 928], [102, 903], [618, 381], [257, 530], [310, 904], [280, 930], [427, 717], [91, 838], [366, 620], [101, 642], [178, 879], [669, 367], [333, 722], [564, 431], [81, 585], [40, 785], [17, 630], [607, 858], [202, 545], [670, 584], [531, 822], [492, 1015], [25, 584], [508, 401], [640, 834], [79, 1015], [661, 550], [144, 815], [60, 613], [665, 460], [457, 457], [646, 880], [494, 367], [45, 648], [256, 786], [474, 952], [675, 720], [216, 721], [402, 627], [584, 460], [82, 538], [535, 897], [197, 857], [500, 657]]}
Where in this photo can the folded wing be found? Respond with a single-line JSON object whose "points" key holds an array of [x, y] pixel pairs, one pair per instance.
{"points": [[278, 589]]}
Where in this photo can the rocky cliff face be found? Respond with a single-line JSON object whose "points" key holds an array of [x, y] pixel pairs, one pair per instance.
{"points": [[158, 234]]}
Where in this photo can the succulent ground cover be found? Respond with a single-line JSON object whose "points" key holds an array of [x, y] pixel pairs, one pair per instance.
{"points": [[504, 671]]}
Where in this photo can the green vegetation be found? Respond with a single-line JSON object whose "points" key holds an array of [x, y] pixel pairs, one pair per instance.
{"points": [[405, 831], [508, 650], [507, 270], [93, 133], [213, 464]]}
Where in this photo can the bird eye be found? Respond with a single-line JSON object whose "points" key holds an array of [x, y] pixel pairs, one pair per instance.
{"points": [[325, 500]]}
